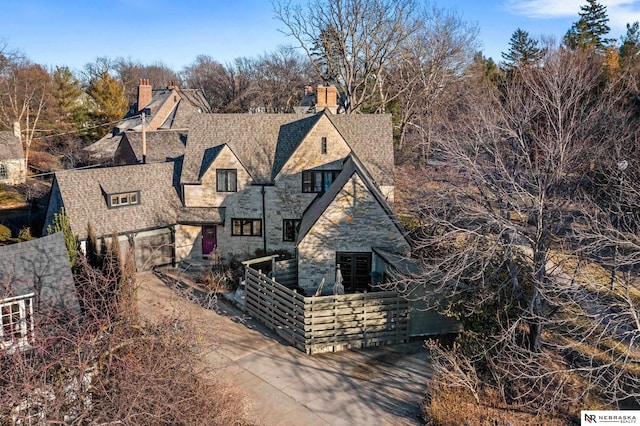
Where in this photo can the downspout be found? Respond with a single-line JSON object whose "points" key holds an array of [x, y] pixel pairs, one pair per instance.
{"points": [[264, 222], [173, 246]]}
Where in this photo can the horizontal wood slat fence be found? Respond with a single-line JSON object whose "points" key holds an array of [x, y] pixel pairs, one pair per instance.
{"points": [[327, 323]]}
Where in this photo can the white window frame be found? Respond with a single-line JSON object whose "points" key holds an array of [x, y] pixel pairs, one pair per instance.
{"points": [[18, 327], [124, 199]]}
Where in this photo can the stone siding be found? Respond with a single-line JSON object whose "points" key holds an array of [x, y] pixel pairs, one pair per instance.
{"points": [[188, 242], [16, 171], [353, 222]]}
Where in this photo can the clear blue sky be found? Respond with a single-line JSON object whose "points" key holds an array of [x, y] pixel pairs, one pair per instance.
{"points": [[75, 32]]}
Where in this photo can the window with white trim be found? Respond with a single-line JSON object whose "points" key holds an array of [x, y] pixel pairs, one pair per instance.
{"points": [[16, 322], [4, 172], [124, 199]]}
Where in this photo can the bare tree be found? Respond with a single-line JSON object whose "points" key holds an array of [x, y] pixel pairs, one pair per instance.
{"points": [[350, 42], [130, 72], [26, 90], [493, 242], [431, 60], [93, 368], [228, 88], [280, 79]]}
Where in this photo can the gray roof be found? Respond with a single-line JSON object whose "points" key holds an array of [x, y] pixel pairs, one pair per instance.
{"points": [[264, 142], [84, 196], [10, 146], [192, 102], [351, 166], [42, 267], [201, 215], [162, 145]]}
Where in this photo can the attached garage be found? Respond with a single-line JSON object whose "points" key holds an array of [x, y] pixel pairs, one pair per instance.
{"points": [[153, 248]]}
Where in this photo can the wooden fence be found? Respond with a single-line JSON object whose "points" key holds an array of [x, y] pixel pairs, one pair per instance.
{"points": [[327, 323]]}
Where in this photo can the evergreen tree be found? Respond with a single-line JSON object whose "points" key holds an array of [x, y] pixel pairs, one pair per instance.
{"points": [[92, 249], [589, 31], [523, 50], [111, 102], [61, 223], [630, 47]]}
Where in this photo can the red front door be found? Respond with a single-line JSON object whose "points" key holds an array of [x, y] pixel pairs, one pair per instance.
{"points": [[209, 240]]}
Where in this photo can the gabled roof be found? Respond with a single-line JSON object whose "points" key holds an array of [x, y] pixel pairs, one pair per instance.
{"points": [[162, 145], [84, 195], [191, 103], [264, 142], [351, 166], [10, 146], [39, 266]]}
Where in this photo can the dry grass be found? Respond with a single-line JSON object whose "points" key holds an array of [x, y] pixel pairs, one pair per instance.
{"points": [[10, 199], [455, 407]]}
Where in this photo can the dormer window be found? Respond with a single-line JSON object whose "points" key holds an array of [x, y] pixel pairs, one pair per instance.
{"points": [[124, 199], [323, 145]]}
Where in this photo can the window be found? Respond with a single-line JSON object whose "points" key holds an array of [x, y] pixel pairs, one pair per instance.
{"points": [[4, 172], [318, 180], [290, 228], [323, 145], [226, 180], [246, 227], [124, 199], [16, 322], [356, 271]]}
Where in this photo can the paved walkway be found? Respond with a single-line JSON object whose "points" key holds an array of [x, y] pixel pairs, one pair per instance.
{"points": [[382, 386]]}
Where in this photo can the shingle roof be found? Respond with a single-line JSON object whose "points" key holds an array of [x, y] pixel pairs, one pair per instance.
{"points": [[84, 194], [264, 142], [161, 144], [200, 215], [39, 266], [10, 146], [192, 102]]}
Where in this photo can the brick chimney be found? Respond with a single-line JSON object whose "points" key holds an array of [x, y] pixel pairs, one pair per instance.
{"points": [[144, 94], [172, 85], [327, 99]]}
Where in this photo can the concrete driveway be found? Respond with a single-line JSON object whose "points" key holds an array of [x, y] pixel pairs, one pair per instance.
{"points": [[382, 386]]}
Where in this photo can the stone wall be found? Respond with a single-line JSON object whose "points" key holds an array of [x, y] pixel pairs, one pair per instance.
{"points": [[353, 222], [16, 171]]}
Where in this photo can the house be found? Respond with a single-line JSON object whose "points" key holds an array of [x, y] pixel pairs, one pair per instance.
{"points": [[13, 166], [160, 146], [35, 281], [169, 108], [318, 186], [140, 203]]}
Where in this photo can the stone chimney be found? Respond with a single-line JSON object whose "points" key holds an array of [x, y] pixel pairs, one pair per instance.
{"points": [[144, 94], [327, 99], [16, 130]]}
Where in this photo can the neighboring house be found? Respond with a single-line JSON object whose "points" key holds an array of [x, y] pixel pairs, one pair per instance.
{"points": [[161, 146], [13, 167], [316, 185], [170, 108], [35, 280]]}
